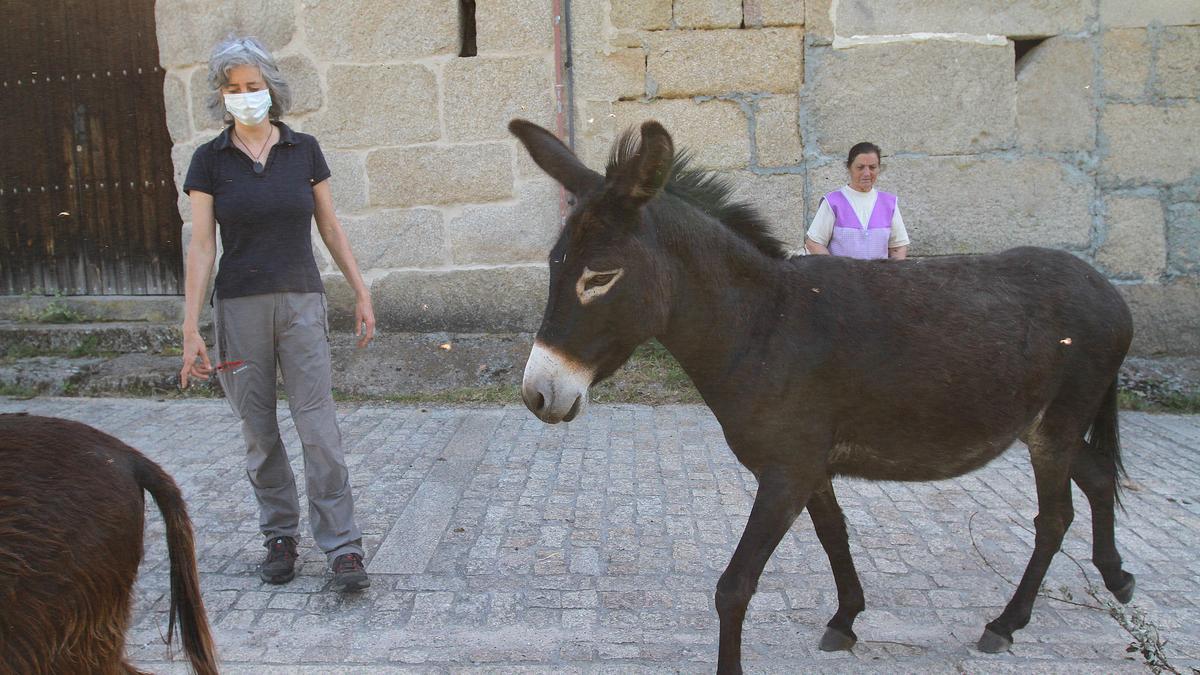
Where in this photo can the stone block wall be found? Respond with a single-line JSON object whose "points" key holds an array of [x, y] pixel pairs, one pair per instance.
{"points": [[724, 77], [1064, 123]]}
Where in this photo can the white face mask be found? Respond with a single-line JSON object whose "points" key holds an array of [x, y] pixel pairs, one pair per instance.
{"points": [[250, 108]]}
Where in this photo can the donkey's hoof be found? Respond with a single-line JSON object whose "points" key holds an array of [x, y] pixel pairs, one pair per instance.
{"points": [[1125, 593], [835, 640], [993, 643]]}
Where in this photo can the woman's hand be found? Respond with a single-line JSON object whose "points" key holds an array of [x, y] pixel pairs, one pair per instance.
{"points": [[364, 319], [193, 348]]}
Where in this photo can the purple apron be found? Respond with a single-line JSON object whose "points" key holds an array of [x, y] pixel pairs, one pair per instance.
{"points": [[853, 239]]}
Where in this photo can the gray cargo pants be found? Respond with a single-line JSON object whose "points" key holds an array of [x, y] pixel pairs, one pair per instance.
{"points": [[253, 334]]}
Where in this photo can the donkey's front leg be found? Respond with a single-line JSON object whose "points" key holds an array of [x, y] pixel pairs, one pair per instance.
{"points": [[781, 497], [830, 525]]}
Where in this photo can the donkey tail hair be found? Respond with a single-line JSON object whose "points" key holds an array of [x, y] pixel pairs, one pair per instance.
{"points": [[187, 604], [1104, 439]]}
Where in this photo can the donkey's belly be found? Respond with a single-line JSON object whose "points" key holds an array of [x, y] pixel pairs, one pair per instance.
{"points": [[897, 461]]}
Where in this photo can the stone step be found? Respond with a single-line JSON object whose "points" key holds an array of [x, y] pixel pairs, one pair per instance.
{"points": [[20, 339], [100, 308], [49, 375], [138, 374], [123, 374]]}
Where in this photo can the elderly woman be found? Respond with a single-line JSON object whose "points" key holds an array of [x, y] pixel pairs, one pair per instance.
{"points": [[263, 183], [857, 220]]}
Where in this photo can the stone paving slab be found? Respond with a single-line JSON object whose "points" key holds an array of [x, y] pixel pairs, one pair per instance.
{"points": [[499, 544]]}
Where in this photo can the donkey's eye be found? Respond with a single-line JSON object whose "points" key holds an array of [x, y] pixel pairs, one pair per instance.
{"points": [[592, 285], [601, 279]]}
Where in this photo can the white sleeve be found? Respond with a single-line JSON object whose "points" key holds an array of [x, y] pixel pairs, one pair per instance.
{"points": [[821, 229], [899, 233]]}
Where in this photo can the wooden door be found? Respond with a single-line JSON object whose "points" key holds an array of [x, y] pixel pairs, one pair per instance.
{"points": [[87, 191]]}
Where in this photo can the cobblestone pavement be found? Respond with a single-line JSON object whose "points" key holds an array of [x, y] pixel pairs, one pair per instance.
{"points": [[498, 543]]}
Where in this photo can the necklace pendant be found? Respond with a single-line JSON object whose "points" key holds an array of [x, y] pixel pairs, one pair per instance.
{"points": [[258, 167]]}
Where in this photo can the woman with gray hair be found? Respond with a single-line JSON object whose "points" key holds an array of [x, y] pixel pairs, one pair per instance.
{"points": [[263, 183]]}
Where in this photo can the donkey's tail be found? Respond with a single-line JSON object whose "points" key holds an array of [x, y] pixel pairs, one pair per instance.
{"points": [[186, 602], [1104, 439]]}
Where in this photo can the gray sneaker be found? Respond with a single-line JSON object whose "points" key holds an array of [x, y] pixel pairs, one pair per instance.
{"points": [[279, 567], [349, 573]]}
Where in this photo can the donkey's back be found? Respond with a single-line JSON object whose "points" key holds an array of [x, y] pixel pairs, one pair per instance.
{"points": [[929, 368]]}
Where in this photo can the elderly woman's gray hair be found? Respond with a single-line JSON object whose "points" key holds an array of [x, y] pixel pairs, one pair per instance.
{"points": [[245, 51]]}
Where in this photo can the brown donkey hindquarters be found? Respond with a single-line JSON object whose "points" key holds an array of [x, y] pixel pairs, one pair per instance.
{"points": [[71, 520]]}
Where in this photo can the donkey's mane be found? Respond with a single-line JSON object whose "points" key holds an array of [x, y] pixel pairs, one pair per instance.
{"points": [[707, 191]]}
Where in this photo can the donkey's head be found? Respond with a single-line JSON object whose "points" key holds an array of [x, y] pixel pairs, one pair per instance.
{"points": [[608, 291]]}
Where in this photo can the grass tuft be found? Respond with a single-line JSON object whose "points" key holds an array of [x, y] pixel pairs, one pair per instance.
{"points": [[651, 376], [88, 346], [21, 350], [17, 390], [496, 394], [1164, 402], [55, 312]]}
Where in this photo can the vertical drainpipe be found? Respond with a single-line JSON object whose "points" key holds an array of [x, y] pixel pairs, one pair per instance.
{"points": [[564, 113]]}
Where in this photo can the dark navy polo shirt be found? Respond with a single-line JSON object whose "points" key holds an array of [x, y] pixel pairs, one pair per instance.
{"points": [[265, 219]]}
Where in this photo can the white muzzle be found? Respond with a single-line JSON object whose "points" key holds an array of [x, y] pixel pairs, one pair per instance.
{"points": [[555, 387]]}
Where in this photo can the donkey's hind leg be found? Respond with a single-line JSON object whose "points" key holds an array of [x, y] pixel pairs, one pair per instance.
{"points": [[1051, 461], [1099, 484], [831, 530]]}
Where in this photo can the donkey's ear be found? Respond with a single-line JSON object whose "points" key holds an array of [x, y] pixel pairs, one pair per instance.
{"points": [[555, 158], [640, 176]]}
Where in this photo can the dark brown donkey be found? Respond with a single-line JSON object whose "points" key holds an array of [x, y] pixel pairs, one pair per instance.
{"points": [[819, 366], [70, 542]]}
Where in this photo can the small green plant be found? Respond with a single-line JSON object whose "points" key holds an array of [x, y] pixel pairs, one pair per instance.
{"points": [[21, 350], [17, 390], [58, 312], [1160, 402], [1146, 639], [143, 390], [499, 394], [1131, 400], [651, 376], [88, 346]]}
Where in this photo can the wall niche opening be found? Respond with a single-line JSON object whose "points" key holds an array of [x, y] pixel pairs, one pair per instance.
{"points": [[1023, 48], [467, 28]]}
